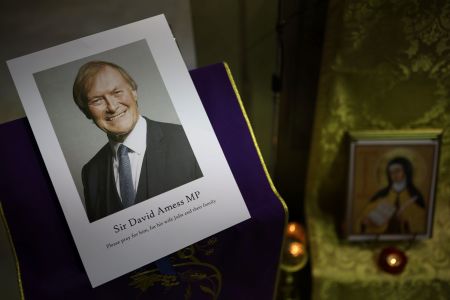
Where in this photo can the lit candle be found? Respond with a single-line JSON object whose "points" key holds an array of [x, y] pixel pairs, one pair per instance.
{"points": [[393, 260], [296, 249], [292, 227]]}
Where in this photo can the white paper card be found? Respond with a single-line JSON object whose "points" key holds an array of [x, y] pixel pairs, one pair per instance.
{"points": [[183, 188]]}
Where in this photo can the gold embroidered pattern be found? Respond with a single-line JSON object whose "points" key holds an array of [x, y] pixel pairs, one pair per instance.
{"points": [[192, 273]]}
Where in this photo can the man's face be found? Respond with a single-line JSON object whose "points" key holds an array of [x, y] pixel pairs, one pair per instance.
{"points": [[397, 173], [112, 103]]}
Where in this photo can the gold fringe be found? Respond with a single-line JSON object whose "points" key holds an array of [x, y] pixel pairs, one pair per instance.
{"points": [[8, 233], [269, 179]]}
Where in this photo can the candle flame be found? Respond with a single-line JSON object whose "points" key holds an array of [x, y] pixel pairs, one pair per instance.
{"points": [[291, 228], [296, 249], [393, 260]]}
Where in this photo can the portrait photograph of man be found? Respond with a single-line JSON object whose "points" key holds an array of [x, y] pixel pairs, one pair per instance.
{"points": [[127, 145], [136, 149]]}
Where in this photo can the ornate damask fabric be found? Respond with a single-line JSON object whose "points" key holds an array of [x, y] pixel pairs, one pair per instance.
{"points": [[386, 65]]}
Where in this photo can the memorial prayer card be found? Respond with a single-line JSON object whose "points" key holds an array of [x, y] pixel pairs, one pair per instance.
{"points": [[135, 163]]}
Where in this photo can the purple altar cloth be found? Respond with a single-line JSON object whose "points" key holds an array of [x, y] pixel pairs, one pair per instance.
{"points": [[238, 263]]}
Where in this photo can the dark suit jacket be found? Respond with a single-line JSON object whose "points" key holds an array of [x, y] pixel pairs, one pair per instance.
{"points": [[168, 163]]}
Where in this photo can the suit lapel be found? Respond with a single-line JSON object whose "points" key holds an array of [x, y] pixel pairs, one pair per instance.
{"points": [[151, 179]]}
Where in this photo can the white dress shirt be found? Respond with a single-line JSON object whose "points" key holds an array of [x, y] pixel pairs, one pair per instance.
{"points": [[136, 141]]}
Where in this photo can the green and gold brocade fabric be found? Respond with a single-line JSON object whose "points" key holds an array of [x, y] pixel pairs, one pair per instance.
{"points": [[386, 65]]}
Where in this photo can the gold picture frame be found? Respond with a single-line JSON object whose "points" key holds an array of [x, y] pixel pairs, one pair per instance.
{"points": [[391, 184]]}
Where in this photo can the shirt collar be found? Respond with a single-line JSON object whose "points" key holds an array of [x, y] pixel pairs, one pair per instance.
{"points": [[136, 140]]}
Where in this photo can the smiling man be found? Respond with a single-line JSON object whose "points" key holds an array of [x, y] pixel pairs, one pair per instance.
{"points": [[142, 159]]}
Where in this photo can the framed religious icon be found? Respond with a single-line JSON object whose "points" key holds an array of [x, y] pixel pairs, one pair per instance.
{"points": [[391, 184]]}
